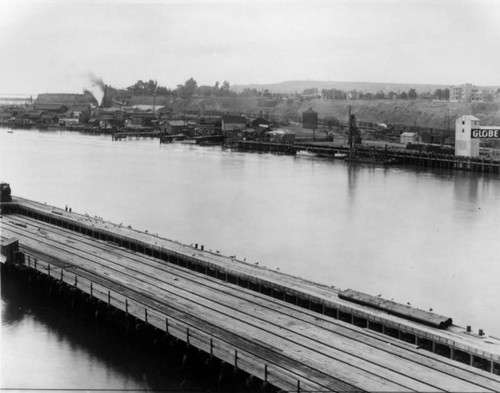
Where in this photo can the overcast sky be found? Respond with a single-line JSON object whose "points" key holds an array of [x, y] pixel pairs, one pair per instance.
{"points": [[53, 46]]}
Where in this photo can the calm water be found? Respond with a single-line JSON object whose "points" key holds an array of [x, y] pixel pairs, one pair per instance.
{"points": [[425, 237]]}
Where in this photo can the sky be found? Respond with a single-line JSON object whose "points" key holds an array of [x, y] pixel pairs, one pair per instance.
{"points": [[57, 45]]}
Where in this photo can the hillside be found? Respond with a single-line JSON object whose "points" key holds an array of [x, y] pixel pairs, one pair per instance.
{"points": [[367, 87], [422, 113], [406, 112]]}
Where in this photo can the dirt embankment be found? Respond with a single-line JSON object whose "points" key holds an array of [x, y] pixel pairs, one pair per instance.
{"points": [[407, 112], [433, 114]]}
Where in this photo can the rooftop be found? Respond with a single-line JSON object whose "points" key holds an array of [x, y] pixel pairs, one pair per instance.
{"points": [[64, 98]]}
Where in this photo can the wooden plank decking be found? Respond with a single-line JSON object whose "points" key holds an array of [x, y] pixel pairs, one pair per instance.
{"points": [[247, 329], [456, 337]]}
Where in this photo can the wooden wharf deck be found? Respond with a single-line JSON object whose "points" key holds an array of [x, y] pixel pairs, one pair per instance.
{"points": [[278, 341], [379, 155], [137, 134]]}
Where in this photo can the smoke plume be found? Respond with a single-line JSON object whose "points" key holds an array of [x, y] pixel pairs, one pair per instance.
{"points": [[98, 89]]}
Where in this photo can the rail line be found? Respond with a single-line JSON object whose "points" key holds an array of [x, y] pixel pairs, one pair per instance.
{"points": [[231, 313], [228, 310], [267, 356], [166, 304], [219, 285]]}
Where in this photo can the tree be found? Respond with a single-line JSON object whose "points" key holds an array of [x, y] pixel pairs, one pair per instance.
{"points": [[489, 97], [205, 91], [311, 91], [333, 94], [162, 91], [438, 93], [224, 89], [149, 88], [442, 94], [412, 94], [403, 95], [392, 95], [249, 93], [188, 89]]}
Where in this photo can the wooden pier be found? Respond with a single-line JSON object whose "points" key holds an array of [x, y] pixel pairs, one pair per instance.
{"points": [[377, 155], [149, 133], [263, 147], [290, 333]]}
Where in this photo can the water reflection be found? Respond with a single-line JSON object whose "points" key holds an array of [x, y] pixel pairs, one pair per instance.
{"points": [[47, 346], [352, 180]]}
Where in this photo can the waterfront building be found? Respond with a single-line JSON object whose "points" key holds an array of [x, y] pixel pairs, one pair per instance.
{"points": [[470, 136], [160, 111], [410, 137], [209, 126], [233, 122], [174, 127], [281, 136], [49, 118], [68, 100], [76, 114], [261, 122], [465, 144], [109, 118], [51, 107]]}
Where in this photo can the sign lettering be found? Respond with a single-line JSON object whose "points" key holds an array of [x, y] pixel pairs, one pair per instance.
{"points": [[485, 133]]}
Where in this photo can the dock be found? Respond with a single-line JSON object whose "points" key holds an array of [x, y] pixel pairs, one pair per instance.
{"points": [[290, 333], [131, 134], [377, 155]]}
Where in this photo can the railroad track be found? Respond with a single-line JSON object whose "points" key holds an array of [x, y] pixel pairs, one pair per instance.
{"points": [[240, 340], [375, 340], [351, 348]]}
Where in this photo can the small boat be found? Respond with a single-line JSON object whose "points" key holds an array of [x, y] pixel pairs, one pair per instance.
{"points": [[340, 156], [307, 153]]}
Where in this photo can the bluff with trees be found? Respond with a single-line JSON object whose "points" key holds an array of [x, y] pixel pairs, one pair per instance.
{"points": [[426, 109]]}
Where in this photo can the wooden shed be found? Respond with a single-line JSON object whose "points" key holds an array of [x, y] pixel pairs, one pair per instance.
{"points": [[410, 137]]}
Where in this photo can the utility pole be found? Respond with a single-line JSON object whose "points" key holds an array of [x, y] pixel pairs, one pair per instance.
{"points": [[154, 97], [349, 122]]}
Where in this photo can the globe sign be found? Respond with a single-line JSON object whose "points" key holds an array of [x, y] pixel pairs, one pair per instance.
{"points": [[485, 133]]}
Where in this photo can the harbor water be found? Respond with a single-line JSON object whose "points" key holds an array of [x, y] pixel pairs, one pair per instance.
{"points": [[424, 237]]}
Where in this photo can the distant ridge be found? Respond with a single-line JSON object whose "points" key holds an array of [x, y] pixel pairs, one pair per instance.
{"points": [[367, 87]]}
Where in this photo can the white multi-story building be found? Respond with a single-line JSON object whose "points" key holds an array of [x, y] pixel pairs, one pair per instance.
{"points": [[466, 93], [465, 144]]}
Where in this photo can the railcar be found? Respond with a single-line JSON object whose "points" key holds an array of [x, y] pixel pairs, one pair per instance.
{"points": [[397, 309]]}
